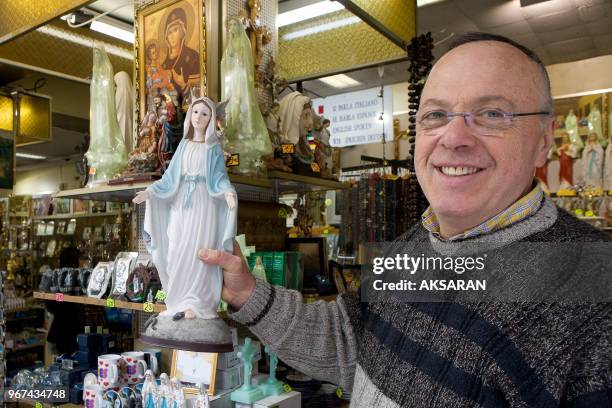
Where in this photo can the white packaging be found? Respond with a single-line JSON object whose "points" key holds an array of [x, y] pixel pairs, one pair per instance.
{"points": [[292, 399], [230, 378]]}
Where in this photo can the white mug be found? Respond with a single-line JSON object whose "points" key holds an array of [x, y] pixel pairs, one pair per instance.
{"points": [[92, 396], [135, 366], [152, 356], [108, 370]]}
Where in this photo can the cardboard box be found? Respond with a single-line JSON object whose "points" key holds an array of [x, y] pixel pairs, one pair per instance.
{"points": [[226, 361]]}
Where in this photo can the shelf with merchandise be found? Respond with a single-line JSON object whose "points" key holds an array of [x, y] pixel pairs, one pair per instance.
{"points": [[86, 300], [277, 181]]}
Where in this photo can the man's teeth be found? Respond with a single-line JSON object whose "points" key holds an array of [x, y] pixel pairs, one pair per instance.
{"points": [[458, 171]]}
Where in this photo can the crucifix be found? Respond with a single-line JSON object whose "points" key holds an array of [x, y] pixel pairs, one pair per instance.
{"points": [[260, 36]]}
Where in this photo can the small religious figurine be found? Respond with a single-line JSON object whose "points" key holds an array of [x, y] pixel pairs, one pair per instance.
{"points": [[248, 393], [202, 400], [144, 158], [178, 395], [608, 168], [165, 392], [272, 386], [592, 162], [566, 153], [149, 391], [571, 128], [595, 125], [193, 206]]}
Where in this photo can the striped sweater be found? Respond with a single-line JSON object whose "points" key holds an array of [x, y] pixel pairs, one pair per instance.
{"points": [[449, 354]]}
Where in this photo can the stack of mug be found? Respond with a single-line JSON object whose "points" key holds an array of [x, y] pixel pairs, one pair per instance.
{"points": [[115, 371]]}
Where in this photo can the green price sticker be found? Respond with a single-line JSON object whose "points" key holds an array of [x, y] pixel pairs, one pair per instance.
{"points": [[589, 213], [147, 307], [110, 302], [160, 295], [579, 212], [38, 404], [287, 387], [339, 392]]}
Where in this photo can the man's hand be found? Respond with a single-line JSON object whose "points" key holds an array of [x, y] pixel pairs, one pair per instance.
{"points": [[238, 282]]}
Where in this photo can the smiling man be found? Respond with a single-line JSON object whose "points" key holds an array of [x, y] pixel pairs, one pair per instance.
{"points": [[483, 126]]}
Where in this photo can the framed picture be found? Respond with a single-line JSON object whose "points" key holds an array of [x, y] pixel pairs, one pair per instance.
{"points": [[61, 206], [170, 50], [71, 227], [314, 251], [80, 206], [86, 233], [97, 207], [192, 368]]}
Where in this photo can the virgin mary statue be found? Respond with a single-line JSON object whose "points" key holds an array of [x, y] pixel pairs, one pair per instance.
{"points": [[192, 206]]}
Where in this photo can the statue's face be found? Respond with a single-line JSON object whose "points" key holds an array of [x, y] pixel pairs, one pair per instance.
{"points": [[200, 116]]}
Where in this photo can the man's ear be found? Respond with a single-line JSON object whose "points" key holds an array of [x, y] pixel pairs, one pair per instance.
{"points": [[545, 143]]}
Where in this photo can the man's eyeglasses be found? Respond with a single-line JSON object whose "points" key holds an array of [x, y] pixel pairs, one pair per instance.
{"points": [[482, 120]]}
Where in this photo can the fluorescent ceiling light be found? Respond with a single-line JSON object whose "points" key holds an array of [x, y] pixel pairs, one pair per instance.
{"points": [[85, 41], [110, 27], [307, 12], [321, 28], [113, 31], [30, 156], [421, 3], [339, 81]]}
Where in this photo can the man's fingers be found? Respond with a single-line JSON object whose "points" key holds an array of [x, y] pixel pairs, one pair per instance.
{"points": [[229, 262]]}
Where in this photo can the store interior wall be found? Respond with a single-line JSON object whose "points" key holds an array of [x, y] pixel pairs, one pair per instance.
{"points": [[47, 179], [580, 76]]}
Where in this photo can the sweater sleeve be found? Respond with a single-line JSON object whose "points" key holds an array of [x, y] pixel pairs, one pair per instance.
{"points": [[590, 382], [316, 339]]}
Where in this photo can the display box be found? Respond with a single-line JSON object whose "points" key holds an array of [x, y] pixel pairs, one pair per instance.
{"points": [[292, 399], [89, 342], [230, 378]]}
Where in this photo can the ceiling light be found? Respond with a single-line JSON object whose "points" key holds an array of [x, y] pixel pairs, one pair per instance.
{"points": [[525, 3], [76, 38], [112, 30], [321, 28], [30, 156], [307, 12], [339, 81], [421, 3]]}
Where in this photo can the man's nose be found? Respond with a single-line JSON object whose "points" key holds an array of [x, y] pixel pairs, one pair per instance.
{"points": [[457, 134]]}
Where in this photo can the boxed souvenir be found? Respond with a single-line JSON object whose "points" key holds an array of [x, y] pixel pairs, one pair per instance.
{"points": [[124, 263], [99, 280]]}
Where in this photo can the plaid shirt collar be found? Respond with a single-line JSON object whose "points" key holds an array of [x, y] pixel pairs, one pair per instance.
{"points": [[521, 209]]}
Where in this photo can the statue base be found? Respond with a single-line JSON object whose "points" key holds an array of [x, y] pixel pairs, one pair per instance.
{"points": [[200, 335], [246, 394], [272, 387]]}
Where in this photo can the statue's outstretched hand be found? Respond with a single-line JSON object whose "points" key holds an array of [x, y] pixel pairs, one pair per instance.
{"points": [[141, 197], [238, 282], [230, 198]]}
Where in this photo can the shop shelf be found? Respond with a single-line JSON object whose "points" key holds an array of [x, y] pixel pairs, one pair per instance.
{"points": [[277, 181], [28, 347], [85, 300], [70, 216]]}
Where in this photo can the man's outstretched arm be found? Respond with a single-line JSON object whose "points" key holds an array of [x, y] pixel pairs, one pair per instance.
{"points": [[316, 339]]}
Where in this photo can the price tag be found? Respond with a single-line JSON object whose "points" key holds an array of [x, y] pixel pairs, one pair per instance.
{"points": [[315, 167], [339, 392], [579, 212], [589, 213], [59, 297], [110, 302], [39, 404], [287, 148], [282, 213], [147, 307], [233, 161], [287, 387], [160, 295]]}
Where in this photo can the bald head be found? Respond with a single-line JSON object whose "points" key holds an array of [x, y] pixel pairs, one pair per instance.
{"points": [[475, 37]]}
